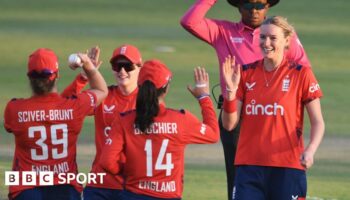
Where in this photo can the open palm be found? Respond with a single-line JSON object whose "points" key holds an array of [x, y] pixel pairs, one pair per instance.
{"points": [[231, 73]]}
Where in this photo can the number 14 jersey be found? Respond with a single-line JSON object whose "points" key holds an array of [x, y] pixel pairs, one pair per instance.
{"points": [[155, 158]]}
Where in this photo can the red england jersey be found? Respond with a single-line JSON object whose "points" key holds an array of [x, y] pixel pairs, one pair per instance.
{"points": [[46, 130], [155, 160], [111, 107], [273, 112]]}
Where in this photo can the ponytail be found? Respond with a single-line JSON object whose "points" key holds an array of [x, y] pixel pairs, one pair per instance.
{"points": [[147, 105]]}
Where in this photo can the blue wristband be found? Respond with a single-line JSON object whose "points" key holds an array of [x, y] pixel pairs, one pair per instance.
{"points": [[202, 96]]}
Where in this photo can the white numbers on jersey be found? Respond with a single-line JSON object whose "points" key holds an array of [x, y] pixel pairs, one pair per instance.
{"points": [[168, 166], [54, 141]]}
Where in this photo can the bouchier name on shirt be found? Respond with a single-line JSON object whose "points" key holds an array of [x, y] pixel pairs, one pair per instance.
{"points": [[159, 128]]}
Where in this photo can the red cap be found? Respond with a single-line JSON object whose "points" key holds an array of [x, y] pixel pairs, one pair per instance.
{"points": [[156, 72], [43, 60], [128, 51]]}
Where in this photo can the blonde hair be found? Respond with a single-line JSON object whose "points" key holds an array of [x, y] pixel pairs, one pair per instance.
{"points": [[281, 22]]}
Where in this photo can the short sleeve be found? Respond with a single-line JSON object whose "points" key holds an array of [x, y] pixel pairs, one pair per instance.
{"points": [[8, 117], [87, 102], [310, 88], [197, 132]]}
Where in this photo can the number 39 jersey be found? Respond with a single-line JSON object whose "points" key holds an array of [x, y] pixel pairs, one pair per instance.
{"points": [[155, 159], [46, 129]]}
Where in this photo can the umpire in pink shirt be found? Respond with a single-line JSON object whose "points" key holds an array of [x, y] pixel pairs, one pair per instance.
{"points": [[239, 39]]}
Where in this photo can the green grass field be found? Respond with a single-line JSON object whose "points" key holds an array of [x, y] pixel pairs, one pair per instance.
{"points": [[76, 25]]}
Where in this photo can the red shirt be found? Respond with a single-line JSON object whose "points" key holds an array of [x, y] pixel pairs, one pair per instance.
{"points": [[272, 116], [114, 104], [46, 129], [155, 161]]}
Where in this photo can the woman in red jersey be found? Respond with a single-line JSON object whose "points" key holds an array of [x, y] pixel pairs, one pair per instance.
{"points": [[271, 96], [46, 128], [153, 137], [236, 38], [125, 64]]}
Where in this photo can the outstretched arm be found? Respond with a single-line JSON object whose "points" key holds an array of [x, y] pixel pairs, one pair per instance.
{"points": [[208, 130]]}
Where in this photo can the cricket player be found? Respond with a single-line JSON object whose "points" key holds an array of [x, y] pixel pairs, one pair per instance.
{"points": [[125, 63], [46, 127], [241, 40], [153, 137], [271, 96]]}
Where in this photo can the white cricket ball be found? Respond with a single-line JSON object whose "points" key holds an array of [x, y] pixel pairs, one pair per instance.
{"points": [[74, 61]]}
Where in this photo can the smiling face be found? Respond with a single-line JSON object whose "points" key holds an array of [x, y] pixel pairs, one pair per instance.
{"points": [[273, 41], [253, 12], [123, 76]]}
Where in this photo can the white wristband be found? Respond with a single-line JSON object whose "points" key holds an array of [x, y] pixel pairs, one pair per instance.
{"points": [[201, 85], [230, 90]]}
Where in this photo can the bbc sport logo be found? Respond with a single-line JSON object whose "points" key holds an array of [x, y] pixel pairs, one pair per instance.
{"points": [[46, 178]]}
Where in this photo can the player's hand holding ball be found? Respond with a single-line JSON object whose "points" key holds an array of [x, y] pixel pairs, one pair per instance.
{"points": [[78, 60], [74, 61]]}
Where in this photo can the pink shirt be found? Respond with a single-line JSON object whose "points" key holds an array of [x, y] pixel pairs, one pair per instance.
{"points": [[230, 38]]}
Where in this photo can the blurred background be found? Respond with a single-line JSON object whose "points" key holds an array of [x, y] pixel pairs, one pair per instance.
{"points": [[69, 26]]}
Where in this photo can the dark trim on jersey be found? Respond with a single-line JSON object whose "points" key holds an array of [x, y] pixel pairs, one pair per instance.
{"points": [[299, 67], [111, 87], [294, 65], [252, 65], [73, 96], [182, 111], [123, 114]]}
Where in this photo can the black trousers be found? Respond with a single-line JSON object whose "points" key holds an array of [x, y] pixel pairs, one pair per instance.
{"points": [[229, 140]]}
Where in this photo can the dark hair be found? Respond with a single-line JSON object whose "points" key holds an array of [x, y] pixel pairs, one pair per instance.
{"points": [[41, 86], [147, 105]]}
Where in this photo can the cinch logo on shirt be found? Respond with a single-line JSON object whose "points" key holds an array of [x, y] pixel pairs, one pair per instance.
{"points": [[106, 131], [314, 87], [258, 109]]}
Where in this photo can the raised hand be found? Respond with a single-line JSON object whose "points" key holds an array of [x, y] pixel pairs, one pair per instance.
{"points": [[94, 55], [201, 79], [231, 73]]}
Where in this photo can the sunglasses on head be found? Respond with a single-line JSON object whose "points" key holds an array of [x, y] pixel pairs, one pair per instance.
{"points": [[42, 74], [251, 6], [128, 66]]}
